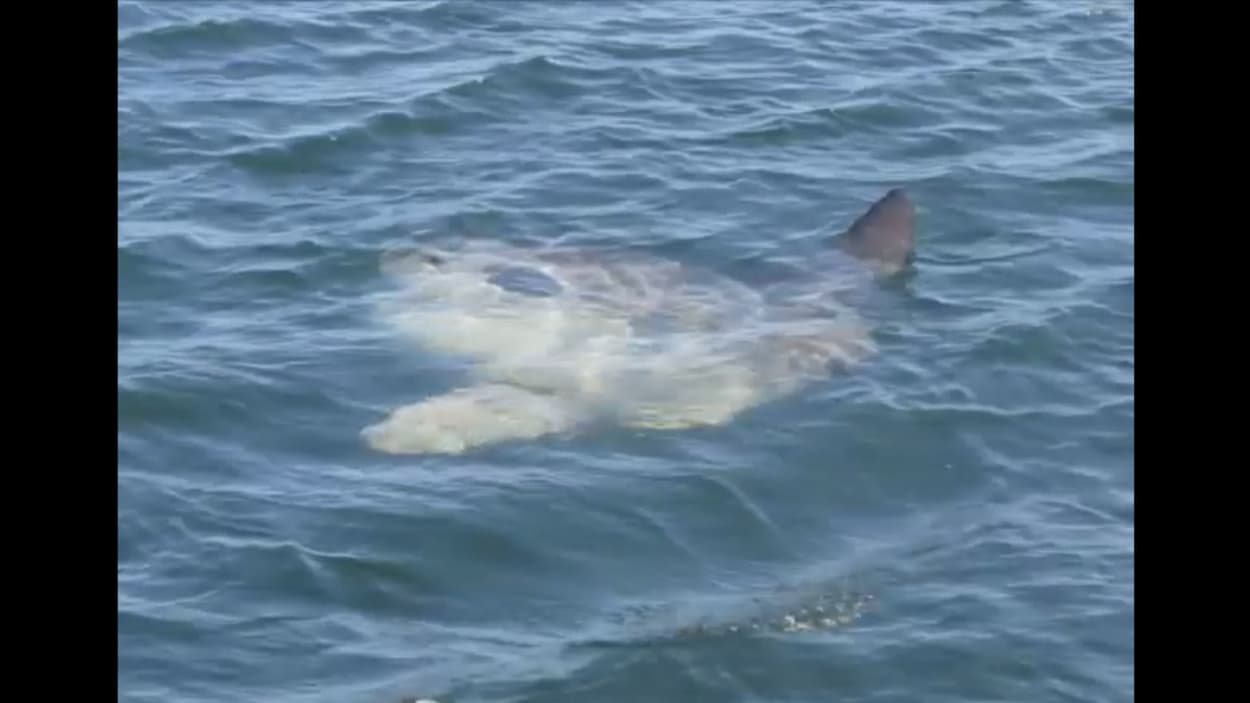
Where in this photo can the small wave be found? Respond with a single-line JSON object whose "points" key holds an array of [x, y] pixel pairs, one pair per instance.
{"points": [[1119, 114], [1102, 48], [538, 76], [1027, 343], [210, 34], [438, 113], [330, 150], [357, 61], [739, 501], [451, 15], [961, 42], [1108, 193], [833, 122]]}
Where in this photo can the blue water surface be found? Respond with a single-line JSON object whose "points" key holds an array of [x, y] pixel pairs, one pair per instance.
{"points": [[967, 493]]}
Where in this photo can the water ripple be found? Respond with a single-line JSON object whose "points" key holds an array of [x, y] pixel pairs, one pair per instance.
{"points": [[975, 477]]}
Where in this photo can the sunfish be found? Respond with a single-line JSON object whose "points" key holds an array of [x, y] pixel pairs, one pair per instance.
{"points": [[558, 340]]}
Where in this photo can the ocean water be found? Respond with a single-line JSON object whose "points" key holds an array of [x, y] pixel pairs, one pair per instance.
{"points": [[954, 518]]}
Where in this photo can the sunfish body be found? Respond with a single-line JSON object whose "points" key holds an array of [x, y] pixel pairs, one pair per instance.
{"points": [[557, 340]]}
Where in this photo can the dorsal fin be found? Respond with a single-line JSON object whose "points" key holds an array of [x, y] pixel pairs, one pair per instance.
{"points": [[885, 234]]}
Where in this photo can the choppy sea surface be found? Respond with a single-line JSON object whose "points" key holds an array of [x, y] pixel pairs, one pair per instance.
{"points": [[953, 521]]}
